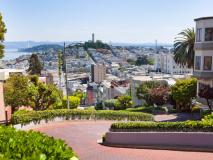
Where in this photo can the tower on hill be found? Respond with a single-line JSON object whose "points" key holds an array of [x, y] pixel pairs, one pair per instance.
{"points": [[93, 37]]}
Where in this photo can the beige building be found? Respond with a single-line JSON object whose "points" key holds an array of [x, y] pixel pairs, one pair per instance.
{"points": [[98, 73], [203, 66], [5, 73]]}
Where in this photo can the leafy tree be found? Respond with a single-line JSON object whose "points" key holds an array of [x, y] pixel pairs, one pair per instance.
{"points": [[97, 45], [143, 91], [129, 60], [207, 93], [80, 95], [184, 48], [141, 60], [123, 102], [183, 91], [34, 65], [3, 30], [151, 61], [34, 79], [74, 102], [15, 89], [160, 95], [110, 103], [43, 96], [121, 68]]}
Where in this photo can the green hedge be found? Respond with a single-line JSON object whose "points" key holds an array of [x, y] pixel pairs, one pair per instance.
{"points": [[146, 109], [210, 116], [22, 112], [187, 126], [83, 114], [17, 144]]}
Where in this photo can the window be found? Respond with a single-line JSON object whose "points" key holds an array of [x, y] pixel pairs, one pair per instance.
{"points": [[208, 34], [199, 35], [197, 62], [207, 63]]}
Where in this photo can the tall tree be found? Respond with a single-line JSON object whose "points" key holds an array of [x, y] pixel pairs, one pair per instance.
{"points": [[34, 65], [184, 48], [3, 30], [15, 91]]}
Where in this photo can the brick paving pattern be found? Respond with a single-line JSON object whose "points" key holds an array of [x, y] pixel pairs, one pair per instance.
{"points": [[82, 137]]}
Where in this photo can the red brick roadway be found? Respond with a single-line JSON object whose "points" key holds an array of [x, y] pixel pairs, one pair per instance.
{"points": [[82, 137]]}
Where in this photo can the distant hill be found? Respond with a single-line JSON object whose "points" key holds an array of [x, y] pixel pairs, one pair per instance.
{"points": [[26, 44], [44, 48]]}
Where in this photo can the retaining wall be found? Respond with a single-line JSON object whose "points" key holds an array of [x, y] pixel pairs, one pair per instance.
{"points": [[56, 119], [185, 139]]}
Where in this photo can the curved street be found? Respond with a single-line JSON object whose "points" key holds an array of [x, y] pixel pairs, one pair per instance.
{"points": [[82, 137]]}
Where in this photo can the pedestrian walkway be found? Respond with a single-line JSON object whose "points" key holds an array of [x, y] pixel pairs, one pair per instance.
{"points": [[82, 137]]}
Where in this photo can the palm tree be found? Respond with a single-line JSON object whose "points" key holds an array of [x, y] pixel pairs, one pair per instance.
{"points": [[184, 48]]}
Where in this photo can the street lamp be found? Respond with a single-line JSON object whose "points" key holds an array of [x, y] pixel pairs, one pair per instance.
{"points": [[68, 106]]}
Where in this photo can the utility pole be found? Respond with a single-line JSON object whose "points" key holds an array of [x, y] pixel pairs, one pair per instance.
{"points": [[65, 61]]}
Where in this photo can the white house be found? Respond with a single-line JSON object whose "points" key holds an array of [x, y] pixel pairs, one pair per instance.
{"points": [[166, 64], [203, 66]]}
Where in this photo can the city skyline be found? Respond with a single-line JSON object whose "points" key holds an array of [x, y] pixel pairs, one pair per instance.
{"points": [[116, 21]]}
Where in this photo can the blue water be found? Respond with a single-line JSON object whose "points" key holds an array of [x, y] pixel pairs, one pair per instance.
{"points": [[13, 53]]}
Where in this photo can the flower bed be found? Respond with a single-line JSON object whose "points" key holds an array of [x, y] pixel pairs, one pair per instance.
{"points": [[187, 126], [16, 144], [73, 114]]}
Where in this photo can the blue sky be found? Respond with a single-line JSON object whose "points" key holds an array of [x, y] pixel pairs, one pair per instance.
{"points": [[128, 21]]}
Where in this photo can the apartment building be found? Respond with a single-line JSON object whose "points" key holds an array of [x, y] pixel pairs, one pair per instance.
{"points": [[203, 66], [98, 72], [165, 63]]}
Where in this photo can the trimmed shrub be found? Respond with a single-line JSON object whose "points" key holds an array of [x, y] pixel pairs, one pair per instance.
{"points": [[174, 111], [99, 106], [123, 102], [210, 116], [183, 91], [103, 138], [17, 144], [110, 103], [74, 102], [187, 126], [205, 113], [23, 111], [89, 108], [82, 114], [146, 109]]}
